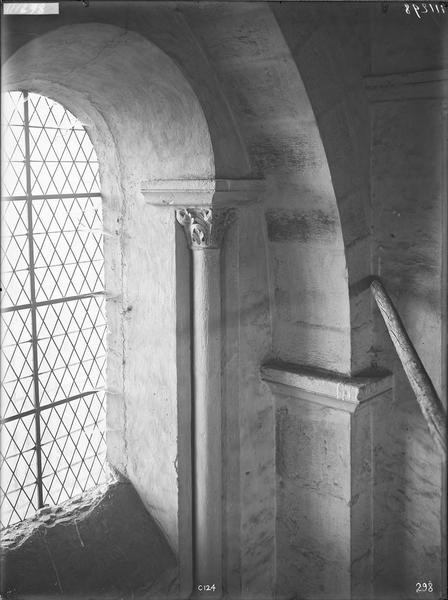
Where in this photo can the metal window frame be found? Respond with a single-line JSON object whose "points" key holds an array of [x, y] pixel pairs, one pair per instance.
{"points": [[35, 304]]}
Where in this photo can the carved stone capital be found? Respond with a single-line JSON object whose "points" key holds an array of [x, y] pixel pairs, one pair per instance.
{"points": [[205, 227]]}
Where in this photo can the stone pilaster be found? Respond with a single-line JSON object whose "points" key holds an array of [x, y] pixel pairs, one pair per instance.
{"points": [[325, 462]]}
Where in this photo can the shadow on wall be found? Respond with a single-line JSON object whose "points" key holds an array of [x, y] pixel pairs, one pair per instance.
{"points": [[103, 544]]}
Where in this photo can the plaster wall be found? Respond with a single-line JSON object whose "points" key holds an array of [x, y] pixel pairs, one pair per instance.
{"points": [[164, 25]]}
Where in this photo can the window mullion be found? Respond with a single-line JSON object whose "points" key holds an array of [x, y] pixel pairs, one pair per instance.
{"points": [[33, 300]]}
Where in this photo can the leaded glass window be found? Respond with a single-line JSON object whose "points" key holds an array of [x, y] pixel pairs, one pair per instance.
{"points": [[52, 309]]}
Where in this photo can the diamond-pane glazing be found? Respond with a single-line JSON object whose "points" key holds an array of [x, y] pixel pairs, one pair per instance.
{"points": [[18, 476], [53, 314], [16, 363], [62, 157], [68, 248], [71, 348], [73, 447], [13, 145], [15, 253]]}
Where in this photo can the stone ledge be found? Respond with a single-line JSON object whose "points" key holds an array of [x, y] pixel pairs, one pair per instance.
{"points": [[102, 543], [49, 516], [332, 390], [202, 192]]}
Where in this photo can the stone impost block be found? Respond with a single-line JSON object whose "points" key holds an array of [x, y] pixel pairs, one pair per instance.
{"points": [[202, 192], [325, 388]]}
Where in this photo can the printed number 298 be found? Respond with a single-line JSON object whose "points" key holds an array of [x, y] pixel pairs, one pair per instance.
{"points": [[423, 587]]}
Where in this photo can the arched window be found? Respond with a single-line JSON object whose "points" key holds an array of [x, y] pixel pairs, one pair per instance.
{"points": [[53, 313]]}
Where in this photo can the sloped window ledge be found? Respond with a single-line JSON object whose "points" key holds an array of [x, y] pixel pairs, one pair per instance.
{"points": [[98, 544]]}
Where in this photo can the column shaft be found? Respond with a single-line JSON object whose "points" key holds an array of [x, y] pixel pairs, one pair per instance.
{"points": [[207, 419], [204, 228]]}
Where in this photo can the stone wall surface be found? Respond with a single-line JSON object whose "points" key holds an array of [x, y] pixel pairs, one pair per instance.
{"points": [[408, 255], [260, 80], [408, 173], [313, 518], [256, 430], [331, 51]]}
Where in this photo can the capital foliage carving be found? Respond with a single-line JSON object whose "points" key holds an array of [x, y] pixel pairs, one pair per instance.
{"points": [[204, 227]]}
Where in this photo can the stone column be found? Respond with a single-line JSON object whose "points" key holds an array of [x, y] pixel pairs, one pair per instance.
{"points": [[204, 228], [198, 388]]}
